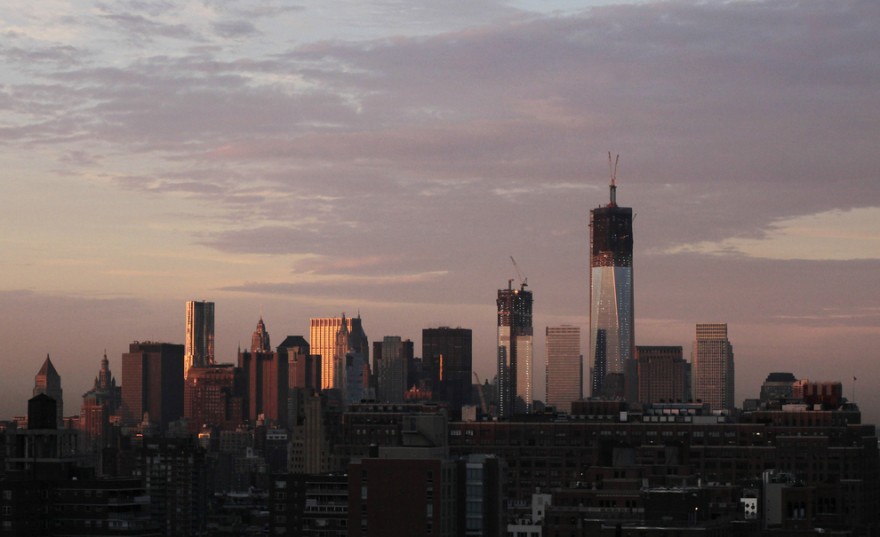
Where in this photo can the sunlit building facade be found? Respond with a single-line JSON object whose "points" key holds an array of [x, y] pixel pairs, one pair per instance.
{"points": [[323, 340], [515, 342], [712, 366], [564, 381], [612, 327], [199, 344]]}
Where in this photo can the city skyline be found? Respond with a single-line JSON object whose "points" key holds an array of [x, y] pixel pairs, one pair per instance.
{"points": [[301, 162]]}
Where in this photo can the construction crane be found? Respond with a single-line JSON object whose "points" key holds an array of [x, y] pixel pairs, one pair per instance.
{"points": [[480, 391], [523, 282]]}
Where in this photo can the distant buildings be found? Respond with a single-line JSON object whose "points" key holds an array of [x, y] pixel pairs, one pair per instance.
{"points": [[47, 381], [712, 366], [515, 335], [199, 344], [612, 326], [564, 380]]}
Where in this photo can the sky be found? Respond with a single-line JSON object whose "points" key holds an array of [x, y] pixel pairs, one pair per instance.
{"points": [[387, 158]]}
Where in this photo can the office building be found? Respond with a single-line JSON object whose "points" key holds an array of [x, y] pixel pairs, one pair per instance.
{"points": [[48, 381], [152, 383], [514, 351], [661, 374], [323, 340], [712, 366], [612, 337], [565, 377], [447, 358], [199, 344]]}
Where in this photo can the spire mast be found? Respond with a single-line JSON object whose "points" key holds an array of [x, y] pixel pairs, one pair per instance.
{"points": [[612, 168]]}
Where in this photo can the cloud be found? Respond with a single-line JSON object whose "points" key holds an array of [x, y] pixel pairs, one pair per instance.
{"points": [[828, 235]]}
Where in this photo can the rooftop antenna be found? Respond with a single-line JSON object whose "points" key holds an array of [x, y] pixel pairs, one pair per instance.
{"points": [[613, 169]]}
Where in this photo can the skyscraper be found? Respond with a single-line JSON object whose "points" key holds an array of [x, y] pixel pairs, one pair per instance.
{"points": [[565, 375], [48, 381], [152, 382], [612, 337], [514, 350], [265, 378], [712, 363], [447, 358], [199, 344], [322, 338], [260, 338]]}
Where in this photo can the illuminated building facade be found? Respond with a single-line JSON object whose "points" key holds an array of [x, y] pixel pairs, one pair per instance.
{"points": [[612, 328], [712, 363], [199, 344], [564, 381], [323, 340], [515, 338]]}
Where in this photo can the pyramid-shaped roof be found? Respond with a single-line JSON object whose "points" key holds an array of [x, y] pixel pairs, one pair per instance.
{"points": [[48, 370]]}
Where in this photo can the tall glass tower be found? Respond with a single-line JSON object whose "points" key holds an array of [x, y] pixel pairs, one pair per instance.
{"points": [[199, 345], [515, 336], [612, 330]]}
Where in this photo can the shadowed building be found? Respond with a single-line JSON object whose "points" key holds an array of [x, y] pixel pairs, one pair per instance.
{"points": [[199, 344], [152, 382], [265, 382], [214, 397], [99, 403], [303, 368], [612, 327], [661, 374], [564, 381], [447, 357], [391, 357], [48, 381], [514, 351]]}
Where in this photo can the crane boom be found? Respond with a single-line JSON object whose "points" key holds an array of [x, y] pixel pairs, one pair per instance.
{"points": [[524, 282], [480, 391]]}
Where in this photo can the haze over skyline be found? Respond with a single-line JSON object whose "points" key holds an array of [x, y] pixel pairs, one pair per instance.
{"points": [[304, 160]]}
